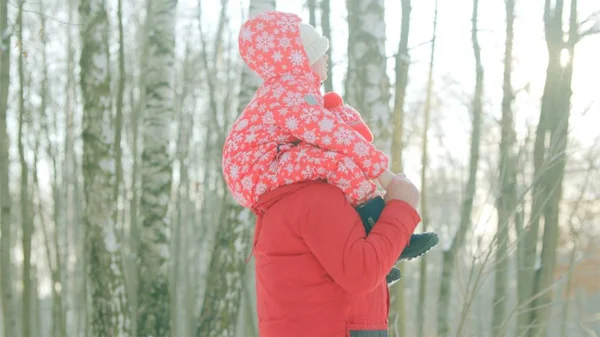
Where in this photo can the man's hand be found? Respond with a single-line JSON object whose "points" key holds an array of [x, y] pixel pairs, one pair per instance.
{"points": [[401, 188]]}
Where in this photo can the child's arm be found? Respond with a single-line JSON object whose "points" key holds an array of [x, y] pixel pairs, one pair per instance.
{"points": [[312, 123], [334, 103]]}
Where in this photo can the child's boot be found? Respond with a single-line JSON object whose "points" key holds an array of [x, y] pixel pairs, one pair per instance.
{"points": [[393, 276], [418, 245]]}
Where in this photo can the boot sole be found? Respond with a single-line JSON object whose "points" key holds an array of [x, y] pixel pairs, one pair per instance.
{"points": [[432, 241]]}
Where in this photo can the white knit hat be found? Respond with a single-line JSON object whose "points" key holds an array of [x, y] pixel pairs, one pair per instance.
{"points": [[314, 44]]}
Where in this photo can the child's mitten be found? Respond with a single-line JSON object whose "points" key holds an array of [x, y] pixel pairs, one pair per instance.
{"points": [[335, 103]]}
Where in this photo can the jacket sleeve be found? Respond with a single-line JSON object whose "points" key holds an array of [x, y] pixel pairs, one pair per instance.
{"points": [[314, 124], [334, 103], [335, 234]]}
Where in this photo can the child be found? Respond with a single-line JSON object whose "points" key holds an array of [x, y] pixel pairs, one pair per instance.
{"points": [[369, 211], [286, 135]]}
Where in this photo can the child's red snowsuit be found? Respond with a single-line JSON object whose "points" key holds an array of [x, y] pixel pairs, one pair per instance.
{"points": [[286, 135]]}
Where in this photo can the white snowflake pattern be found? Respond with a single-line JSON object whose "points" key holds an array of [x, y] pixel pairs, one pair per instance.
{"points": [[326, 140], [310, 136], [291, 123], [250, 137], [350, 164], [307, 171], [361, 149], [234, 171], [250, 53], [293, 99], [246, 34], [268, 118], [241, 125], [284, 42], [247, 183], [267, 70], [277, 57], [260, 27], [326, 125], [297, 58], [287, 24], [261, 188], [365, 188], [265, 42], [343, 183], [264, 16], [311, 115], [288, 77], [344, 136], [277, 92]]}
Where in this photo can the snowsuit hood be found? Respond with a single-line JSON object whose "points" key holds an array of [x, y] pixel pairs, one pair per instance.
{"points": [[271, 46]]}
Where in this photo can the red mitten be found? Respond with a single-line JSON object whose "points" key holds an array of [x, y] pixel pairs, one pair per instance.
{"points": [[332, 100], [335, 103]]}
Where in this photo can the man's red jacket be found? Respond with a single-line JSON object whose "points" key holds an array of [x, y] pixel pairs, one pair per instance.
{"points": [[317, 273]]}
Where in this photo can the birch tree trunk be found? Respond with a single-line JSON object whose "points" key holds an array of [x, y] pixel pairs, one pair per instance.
{"points": [[134, 225], [558, 127], [449, 255], [26, 219], [9, 315], [220, 308], [424, 192], [398, 309], [153, 292], [367, 83], [109, 306], [326, 28], [312, 12], [506, 202]]}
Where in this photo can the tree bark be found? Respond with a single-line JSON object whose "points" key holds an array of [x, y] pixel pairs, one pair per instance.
{"points": [[506, 203], [402, 65], [449, 255], [220, 308], [326, 28], [9, 315], [153, 317], [367, 82], [554, 175], [422, 299], [110, 316], [312, 12], [398, 310], [26, 219], [134, 225]]}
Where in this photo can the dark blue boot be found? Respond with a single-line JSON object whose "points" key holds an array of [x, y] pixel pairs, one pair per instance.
{"points": [[419, 243]]}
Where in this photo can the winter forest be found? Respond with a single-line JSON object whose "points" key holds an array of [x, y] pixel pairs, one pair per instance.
{"points": [[116, 221]]}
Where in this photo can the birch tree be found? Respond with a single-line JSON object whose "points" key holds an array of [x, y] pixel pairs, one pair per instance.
{"points": [[9, 316], [153, 317], [326, 28], [227, 268], [109, 306], [367, 84], [556, 104], [397, 311], [424, 190], [506, 201], [26, 218], [450, 254]]}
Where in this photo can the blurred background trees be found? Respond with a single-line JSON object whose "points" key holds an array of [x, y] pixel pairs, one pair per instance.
{"points": [[115, 220]]}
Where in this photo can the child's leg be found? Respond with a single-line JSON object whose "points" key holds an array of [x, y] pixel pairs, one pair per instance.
{"points": [[307, 162]]}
